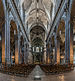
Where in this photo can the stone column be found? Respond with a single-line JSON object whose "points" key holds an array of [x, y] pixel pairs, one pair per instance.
{"points": [[8, 45], [55, 40], [44, 60], [25, 52], [68, 40], [6, 55], [71, 43], [49, 47], [58, 51], [16, 50], [30, 57], [19, 46], [3, 42], [47, 53], [50, 51]]}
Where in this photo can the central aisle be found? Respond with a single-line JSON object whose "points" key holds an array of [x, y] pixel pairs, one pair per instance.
{"points": [[37, 73]]}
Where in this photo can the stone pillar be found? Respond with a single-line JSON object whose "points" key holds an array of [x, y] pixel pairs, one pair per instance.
{"points": [[50, 51], [19, 46], [71, 44], [8, 44], [6, 55], [30, 57], [25, 52], [44, 60], [16, 51], [58, 51], [22, 51], [3, 43], [55, 40], [47, 54], [68, 40]]}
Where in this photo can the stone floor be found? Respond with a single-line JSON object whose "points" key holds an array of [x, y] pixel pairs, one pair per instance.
{"points": [[38, 73]]}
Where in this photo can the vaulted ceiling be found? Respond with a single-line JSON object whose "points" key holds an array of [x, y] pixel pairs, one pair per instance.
{"points": [[37, 36], [37, 11], [37, 16]]}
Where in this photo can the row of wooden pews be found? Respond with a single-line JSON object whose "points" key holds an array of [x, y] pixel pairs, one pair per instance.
{"points": [[52, 69], [19, 70]]}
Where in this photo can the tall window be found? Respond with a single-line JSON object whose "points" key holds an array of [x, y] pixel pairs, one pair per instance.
{"points": [[41, 49], [33, 49], [37, 49]]}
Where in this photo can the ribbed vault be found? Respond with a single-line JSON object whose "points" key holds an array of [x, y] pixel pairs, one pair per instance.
{"points": [[37, 11], [37, 34]]}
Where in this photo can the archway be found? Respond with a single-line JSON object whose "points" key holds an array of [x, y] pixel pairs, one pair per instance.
{"points": [[37, 39], [13, 43], [37, 47], [61, 42], [2, 33]]}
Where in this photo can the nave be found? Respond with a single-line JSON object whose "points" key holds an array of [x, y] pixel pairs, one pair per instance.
{"points": [[37, 34]]}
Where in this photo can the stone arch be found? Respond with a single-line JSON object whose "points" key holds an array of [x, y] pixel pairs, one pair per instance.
{"points": [[40, 25], [39, 30], [2, 32], [13, 42], [37, 39], [12, 19], [61, 41], [38, 53]]}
